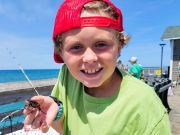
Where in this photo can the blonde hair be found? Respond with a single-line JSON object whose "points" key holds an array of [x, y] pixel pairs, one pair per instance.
{"points": [[103, 9]]}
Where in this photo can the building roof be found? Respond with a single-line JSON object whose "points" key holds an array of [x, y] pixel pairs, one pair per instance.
{"points": [[171, 32]]}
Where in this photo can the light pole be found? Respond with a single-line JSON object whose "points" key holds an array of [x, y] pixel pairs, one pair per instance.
{"points": [[162, 45]]}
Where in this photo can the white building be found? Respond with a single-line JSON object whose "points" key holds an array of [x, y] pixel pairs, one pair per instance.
{"points": [[172, 33]]}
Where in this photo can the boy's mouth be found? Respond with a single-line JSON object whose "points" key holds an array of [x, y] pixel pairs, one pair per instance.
{"points": [[91, 71]]}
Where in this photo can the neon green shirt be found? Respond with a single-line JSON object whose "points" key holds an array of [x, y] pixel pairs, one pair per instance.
{"points": [[134, 110], [136, 69]]}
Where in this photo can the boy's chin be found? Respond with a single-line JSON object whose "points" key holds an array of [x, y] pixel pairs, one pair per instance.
{"points": [[91, 85]]}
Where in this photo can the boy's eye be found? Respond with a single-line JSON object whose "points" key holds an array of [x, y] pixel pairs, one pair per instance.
{"points": [[101, 45], [76, 47]]}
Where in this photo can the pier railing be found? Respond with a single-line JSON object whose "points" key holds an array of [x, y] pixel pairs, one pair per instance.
{"points": [[156, 71], [161, 87]]}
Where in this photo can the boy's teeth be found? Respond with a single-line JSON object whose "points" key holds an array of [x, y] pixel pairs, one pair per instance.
{"points": [[91, 71]]}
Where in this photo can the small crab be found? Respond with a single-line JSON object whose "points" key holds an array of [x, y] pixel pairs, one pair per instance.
{"points": [[32, 104]]}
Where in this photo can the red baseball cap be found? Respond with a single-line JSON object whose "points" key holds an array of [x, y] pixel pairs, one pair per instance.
{"points": [[69, 17]]}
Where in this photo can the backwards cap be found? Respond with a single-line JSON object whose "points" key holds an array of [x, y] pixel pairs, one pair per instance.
{"points": [[69, 17]]}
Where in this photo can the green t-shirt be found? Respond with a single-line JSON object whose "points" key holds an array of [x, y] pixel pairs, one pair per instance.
{"points": [[134, 110], [136, 70]]}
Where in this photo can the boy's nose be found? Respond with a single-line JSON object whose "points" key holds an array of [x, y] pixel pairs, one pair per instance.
{"points": [[89, 56]]}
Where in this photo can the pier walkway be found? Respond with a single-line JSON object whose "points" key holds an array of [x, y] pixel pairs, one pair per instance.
{"points": [[174, 103]]}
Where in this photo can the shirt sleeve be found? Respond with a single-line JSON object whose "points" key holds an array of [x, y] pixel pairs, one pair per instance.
{"points": [[163, 127], [57, 90]]}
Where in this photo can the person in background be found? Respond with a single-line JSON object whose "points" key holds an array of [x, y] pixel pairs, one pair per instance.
{"points": [[97, 97], [179, 68], [136, 69], [178, 76]]}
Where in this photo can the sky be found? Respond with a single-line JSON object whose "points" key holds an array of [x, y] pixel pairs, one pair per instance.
{"points": [[26, 31]]}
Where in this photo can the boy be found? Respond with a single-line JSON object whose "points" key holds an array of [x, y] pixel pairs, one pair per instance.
{"points": [[98, 98]]}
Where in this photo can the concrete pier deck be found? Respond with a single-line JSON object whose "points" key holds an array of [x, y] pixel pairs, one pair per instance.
{"points": [[174, 103], [20, 91], [15, 86]]}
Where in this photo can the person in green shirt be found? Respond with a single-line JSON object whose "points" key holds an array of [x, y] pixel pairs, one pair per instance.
{"points": [[97, 97], [135, 69]]}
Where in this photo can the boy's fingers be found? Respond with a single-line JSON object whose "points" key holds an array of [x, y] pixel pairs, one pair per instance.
{"points": [[30, 118], [44, 127], [51, 113], [36, 123], [38, 99]]}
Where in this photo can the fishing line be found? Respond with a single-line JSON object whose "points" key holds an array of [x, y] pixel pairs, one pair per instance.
{"points": [[33, 104], [27, 78], [10, 114], [22, 70]]}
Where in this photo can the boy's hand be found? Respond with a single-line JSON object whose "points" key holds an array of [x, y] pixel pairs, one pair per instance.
{"points": [[41, 116]]}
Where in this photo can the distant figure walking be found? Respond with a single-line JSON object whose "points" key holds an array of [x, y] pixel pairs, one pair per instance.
{"points": [[136, 69]]}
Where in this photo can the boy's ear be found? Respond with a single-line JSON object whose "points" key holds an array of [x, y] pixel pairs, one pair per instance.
{"points": [[58, 51], [61, 54], [119, 48]]}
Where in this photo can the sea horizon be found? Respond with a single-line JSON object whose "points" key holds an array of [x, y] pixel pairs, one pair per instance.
{"points": [[16, 75]]}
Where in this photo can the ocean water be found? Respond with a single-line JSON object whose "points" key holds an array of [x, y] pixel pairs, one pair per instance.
{"points": [[11, 107], [33, 74]]}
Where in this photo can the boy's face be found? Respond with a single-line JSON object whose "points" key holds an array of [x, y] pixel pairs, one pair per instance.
{"points": [[90, 54]]}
